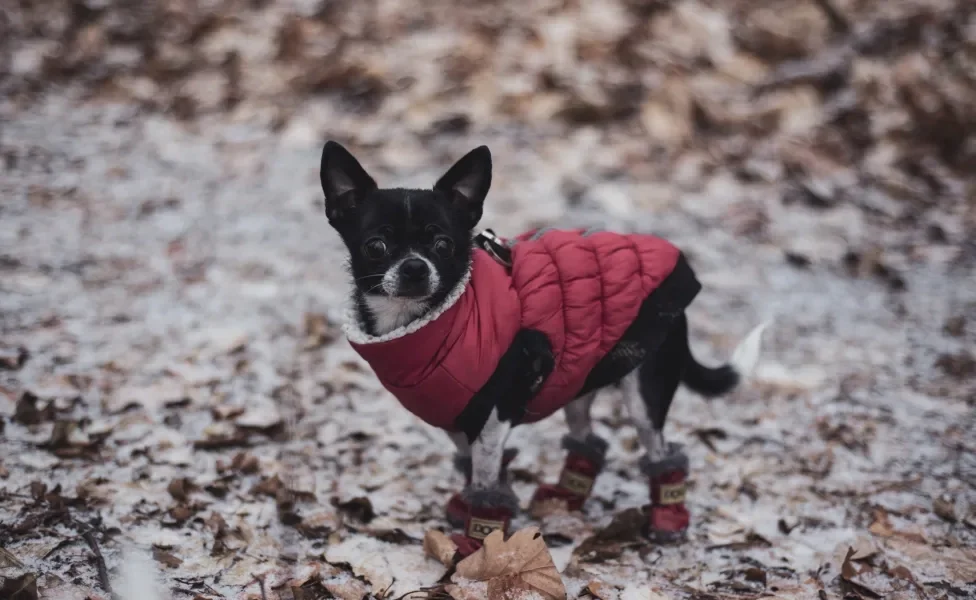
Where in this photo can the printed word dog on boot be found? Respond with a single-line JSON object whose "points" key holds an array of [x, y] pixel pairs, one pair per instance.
{"points": [[476, 334]]}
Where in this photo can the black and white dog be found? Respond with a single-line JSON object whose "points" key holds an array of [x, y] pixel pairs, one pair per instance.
{"points": [[415, 257]]}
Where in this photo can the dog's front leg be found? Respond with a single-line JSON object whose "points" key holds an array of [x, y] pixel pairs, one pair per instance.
{"points": [[489, 501], [486, 422], [457, 506]]}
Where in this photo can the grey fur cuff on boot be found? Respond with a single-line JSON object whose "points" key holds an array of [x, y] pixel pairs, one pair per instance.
{"points": [[676, 460], [499, 496], [593, 448]]}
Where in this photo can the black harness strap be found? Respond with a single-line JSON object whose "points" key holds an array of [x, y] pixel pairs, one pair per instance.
{"points": [[493, 245]]}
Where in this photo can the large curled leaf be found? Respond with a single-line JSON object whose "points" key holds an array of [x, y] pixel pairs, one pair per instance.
{"points": [[513, 569]]}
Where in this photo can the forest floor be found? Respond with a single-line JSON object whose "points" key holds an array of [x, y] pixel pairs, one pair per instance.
{"points": [[172, 375]]}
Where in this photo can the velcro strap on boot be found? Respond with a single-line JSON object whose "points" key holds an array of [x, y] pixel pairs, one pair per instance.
{"points": [[577, 483], [479, 528], [488, 510], [665, 494]]}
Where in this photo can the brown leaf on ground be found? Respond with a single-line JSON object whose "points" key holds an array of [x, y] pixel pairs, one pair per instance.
{"points": [[440, 547], [945, 508], [622, 533], [545, 508], [27, 413], [847, 568], [961, 365], [360, 509], [226, 412], [513, 568], [955, 326], [863, 579], [600, 590], [19, 588], [319, 331], [221, 533], [166, 558], [68, 441], [245, 463], [13, 359], [164, 394], [181, 513], [881, 525], [180, 488], [268, 486], [216, 438], [346, 588]]}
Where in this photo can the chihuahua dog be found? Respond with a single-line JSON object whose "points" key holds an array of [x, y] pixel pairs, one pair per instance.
{"points": [[476, 334]]}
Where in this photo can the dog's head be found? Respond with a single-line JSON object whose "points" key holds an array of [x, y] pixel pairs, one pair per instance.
{"points": [[408, 247]]}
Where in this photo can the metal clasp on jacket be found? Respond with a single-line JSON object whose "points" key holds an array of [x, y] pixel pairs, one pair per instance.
{"points": [[493, 245]]}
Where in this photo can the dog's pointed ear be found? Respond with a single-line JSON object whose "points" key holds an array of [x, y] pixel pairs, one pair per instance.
{"points": [[467, 183], [344, 181]]}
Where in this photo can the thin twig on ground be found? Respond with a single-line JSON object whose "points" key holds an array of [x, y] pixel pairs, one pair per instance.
{"points": [[89, 536]]}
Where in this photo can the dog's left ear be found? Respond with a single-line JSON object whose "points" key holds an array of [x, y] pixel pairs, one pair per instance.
{"points": [[467, 183]]}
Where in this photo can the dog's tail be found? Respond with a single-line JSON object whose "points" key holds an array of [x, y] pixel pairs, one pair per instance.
{"points": [[712, 382]]}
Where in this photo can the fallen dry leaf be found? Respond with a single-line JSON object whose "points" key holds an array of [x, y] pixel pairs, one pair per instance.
{"points": [[26, 411], [319, 331], [622, 533], [520, 565], [641, 592], [600, 590], [180, 488], [153, 397], [360, 509], [19, 588], [552, 506], [945, 508], [863, 579], [13, 359], [440, 547], [166, 558], [346, 588], [882, 524]]}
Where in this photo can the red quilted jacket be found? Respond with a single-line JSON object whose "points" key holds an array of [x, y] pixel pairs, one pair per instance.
{"points": [[582, 291]]}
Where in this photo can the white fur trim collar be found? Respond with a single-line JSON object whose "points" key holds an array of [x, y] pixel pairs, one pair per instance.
{"points": [[355, 333]]}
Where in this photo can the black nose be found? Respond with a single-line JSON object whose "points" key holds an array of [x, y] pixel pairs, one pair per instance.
{"points": [[414, 270]]}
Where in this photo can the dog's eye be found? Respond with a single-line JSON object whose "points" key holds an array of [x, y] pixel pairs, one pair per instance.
{"points": [[374, 248], [443, 247]]}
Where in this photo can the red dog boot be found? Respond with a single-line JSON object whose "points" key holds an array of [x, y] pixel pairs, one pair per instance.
{"points": [[584, 462], [488, 510], [668, 517], [457, 508]]}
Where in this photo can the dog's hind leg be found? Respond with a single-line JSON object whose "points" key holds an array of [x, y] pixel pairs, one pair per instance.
{"points": [[649, 394], [578, 416], [584, 458], [488, 501]]}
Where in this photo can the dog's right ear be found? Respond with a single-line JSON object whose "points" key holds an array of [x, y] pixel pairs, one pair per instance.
{"points": [[467, 183], [344, 181]]}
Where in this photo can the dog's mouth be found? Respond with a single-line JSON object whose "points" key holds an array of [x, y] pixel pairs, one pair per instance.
{"points": [[413, 293]]}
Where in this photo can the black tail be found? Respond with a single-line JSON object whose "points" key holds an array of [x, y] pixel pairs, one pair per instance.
{"points": [[709, 382], [715, 382]]}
